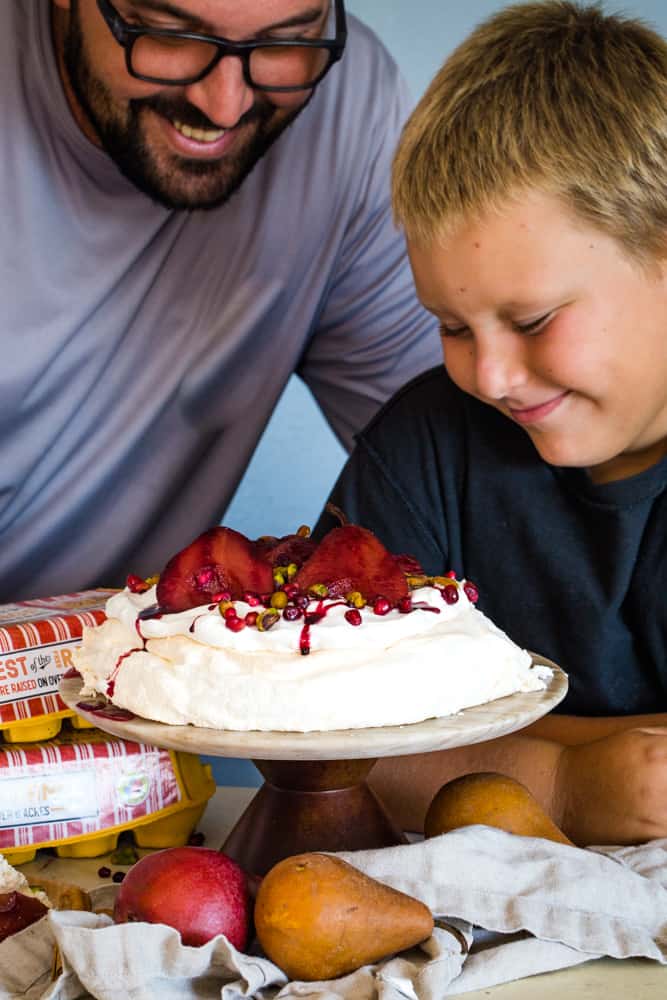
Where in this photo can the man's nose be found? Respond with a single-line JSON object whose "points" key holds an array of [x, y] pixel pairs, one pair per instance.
{"points": [[223, 94], [500, 366]]}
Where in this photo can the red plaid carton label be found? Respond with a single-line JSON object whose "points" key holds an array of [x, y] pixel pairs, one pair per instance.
{"points": [[78, 784], [36, 642]]}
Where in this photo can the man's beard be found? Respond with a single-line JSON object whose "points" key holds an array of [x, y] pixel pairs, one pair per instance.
{"points": [[176, 182]]}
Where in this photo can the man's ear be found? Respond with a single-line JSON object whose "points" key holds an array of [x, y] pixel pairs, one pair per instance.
{"points": [[63, 4]]}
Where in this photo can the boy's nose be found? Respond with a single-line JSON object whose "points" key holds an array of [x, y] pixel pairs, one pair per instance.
{"points": [[499, 368], [223, 95]]}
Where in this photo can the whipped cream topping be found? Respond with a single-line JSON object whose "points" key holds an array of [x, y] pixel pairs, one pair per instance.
{"points": [[12, 880], [392, 669]]}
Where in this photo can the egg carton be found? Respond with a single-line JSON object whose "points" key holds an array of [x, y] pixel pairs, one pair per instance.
{"points": [[77, 792], [37, 639]]}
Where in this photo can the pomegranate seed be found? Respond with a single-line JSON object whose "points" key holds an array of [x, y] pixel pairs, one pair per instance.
{"points": [[450, 593], [251, 599], [301, 601], [471, 592], [118, 876], [251, 618], [235, 624], [451, 574], [381, 606], [136, 584], [405, 605], [222, 595], [292, 614], [291, 590], [104, 872], [229, 614], [353, 616]]}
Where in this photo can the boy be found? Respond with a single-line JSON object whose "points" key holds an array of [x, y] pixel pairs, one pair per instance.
{"points": [[531, 183]]}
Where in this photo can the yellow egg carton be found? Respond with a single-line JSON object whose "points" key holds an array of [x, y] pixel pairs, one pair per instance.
{"points": [[37, 638], [79, 791]]}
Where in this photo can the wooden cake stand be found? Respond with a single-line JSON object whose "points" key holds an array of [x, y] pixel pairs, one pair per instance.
{"points": [[315, 796]]}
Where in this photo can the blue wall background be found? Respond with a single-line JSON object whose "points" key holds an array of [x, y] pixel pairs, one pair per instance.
{"points": [[298, 457]]}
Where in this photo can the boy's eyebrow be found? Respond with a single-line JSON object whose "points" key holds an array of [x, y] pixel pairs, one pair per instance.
{"points": [[305, 17]]}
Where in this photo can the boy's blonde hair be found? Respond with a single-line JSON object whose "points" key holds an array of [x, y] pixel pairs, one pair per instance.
{"points": [[554, 96]]}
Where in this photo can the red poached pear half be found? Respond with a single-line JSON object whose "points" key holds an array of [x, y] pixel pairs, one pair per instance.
{"points": [[221, 560], [351, 558], [198, 891]]}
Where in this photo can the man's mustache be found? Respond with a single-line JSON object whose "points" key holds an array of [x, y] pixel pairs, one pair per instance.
{"points": [[176, 108]]}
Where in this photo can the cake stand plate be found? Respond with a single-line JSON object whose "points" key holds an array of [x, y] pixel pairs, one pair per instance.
{"points": [[315, 795]]}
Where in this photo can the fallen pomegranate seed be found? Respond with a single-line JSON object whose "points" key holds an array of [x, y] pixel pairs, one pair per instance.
{"points": [[251, 618], [235, 624], [136, 584], [471, 592], [104, 872], [118, 876], [381, 606], [450, 593], [353, 616]]}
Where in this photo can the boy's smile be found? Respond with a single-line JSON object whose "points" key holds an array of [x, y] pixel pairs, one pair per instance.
{"points": [[546, 318]]}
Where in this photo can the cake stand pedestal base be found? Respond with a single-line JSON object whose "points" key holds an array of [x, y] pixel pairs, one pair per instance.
{"points": [[310, 805]]}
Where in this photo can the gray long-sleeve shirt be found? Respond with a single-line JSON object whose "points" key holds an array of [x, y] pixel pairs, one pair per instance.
{"points": [[143, 350]]}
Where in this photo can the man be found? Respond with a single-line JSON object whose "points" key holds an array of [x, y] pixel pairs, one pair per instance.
{"points": [[167, 264]]}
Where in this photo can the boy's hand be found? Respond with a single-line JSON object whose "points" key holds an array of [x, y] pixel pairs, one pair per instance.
{"points": [[614, 790]]}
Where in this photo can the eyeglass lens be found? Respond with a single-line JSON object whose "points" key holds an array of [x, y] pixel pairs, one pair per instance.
{"points": [[181, 59]]}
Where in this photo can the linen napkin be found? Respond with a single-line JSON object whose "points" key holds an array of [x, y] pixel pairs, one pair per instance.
{"points": [[549, 905]]}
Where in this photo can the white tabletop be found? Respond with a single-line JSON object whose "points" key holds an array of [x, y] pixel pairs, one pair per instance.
{"points": [[605, 978]]}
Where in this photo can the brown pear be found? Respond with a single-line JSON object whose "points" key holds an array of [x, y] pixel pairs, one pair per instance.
{"points": [[493, 800], [317, 917]]}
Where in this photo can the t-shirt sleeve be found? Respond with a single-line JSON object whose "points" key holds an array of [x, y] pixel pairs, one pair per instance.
{"points": [[403, 479], [372, 335]]}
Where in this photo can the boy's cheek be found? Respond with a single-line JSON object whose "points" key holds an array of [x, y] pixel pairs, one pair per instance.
{"points": [[460, 364]]}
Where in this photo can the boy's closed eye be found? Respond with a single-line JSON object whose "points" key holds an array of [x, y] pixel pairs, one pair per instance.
{"points": [[530, 327]]}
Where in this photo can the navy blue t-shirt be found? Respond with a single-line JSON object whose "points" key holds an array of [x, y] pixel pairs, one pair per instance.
{"points": [[569, 569]]}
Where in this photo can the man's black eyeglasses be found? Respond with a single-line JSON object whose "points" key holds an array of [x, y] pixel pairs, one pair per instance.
{"points": [[180, 58]]}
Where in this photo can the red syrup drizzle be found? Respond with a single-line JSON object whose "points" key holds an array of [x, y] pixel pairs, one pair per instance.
{"points": [[191, 628], [152, 611], [111, 683], [423, 606], [105, 710], [312, 618]]}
